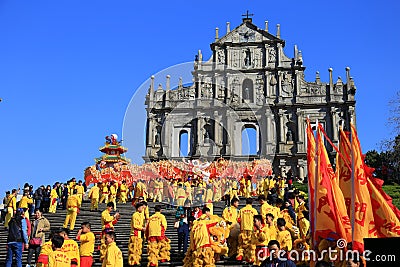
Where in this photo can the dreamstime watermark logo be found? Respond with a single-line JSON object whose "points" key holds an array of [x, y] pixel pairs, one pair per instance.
{"points": [[215, 107], [339, 253]]}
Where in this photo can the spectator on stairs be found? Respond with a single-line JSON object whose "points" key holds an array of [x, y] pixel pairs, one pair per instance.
{"points": [[40, 226]]}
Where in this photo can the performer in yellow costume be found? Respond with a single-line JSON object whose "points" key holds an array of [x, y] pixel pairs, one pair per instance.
{"points": [[86, 248], [53, 200], [283, 236], [113, 194], [123, 192], [246, 220], [235, 189], [188, 189], [265, 207], [80, 190], [94, 194], [135, 240], [281, 186], [207, 241], [24, 202], [73, 204], [230, 215], [180, 196], [158, 247], [113, 256], [70, 247], [217, 189], [107, 225], [104, 193], [58, 257], [259, 241], [11, 205]]}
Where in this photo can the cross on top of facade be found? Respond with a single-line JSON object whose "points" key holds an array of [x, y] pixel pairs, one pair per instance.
{"points": [[247, 15]]}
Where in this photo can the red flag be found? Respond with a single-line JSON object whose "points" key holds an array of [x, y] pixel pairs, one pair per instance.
{"points": [[374, 214], [331, 214], [311, 175]]}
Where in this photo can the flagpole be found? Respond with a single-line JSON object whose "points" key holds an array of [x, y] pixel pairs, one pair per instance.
{"points": [[316, 186], [353, 206]]}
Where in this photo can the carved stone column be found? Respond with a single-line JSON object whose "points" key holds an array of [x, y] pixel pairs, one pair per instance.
{"points": [[334, 125], [281, 127], [300, 131]]}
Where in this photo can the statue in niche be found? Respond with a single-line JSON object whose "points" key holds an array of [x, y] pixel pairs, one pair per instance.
{"points": [[272, 55], [246, 93], [247, 59], [221, 89], [221, 57], [286, 86], [289, 136], [234, 59], [207, 130], [157, 139]]}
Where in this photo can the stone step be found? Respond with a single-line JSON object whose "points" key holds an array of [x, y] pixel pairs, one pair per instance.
{"points": [[122, 230]]}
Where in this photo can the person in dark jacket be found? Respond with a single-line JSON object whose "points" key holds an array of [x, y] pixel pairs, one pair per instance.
{"points": [[276, 258], [64, 197], [38, 196], [17, 238], [46, 199], [183, 229]]}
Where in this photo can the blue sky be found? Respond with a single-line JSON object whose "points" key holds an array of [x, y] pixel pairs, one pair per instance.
{"points": [[68, 69]]}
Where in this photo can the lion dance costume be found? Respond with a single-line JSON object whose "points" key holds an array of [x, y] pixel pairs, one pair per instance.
{"points": [[135, 240], [158, 247], [207, 242]]}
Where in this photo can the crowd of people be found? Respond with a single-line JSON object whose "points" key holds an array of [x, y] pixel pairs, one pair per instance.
{"points": [[280, 223]]}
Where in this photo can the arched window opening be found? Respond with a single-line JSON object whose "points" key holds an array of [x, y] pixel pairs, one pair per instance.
{"points": [[249, 141], [183, 144]]}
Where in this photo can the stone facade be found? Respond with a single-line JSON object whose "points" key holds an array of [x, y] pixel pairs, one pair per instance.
{"points": [[248, 82]]}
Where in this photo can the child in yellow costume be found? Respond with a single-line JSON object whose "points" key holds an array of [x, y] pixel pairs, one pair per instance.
{"points": [[230, 215], [283, 236], [265, 207], [135, 240], [70, 247], [58, 257], [270, 225], [259, 241], [107, 225], [246, 220], [45, 250], [158, 247], [207, 242]]}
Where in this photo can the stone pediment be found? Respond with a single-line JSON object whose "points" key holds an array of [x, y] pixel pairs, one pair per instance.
{"points": [[247, 33]]}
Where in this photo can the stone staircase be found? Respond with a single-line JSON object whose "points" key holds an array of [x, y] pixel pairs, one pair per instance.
{"points": [[122, 230]]}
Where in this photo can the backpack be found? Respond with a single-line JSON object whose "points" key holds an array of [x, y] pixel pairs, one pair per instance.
{"points": [[14, 231]]}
